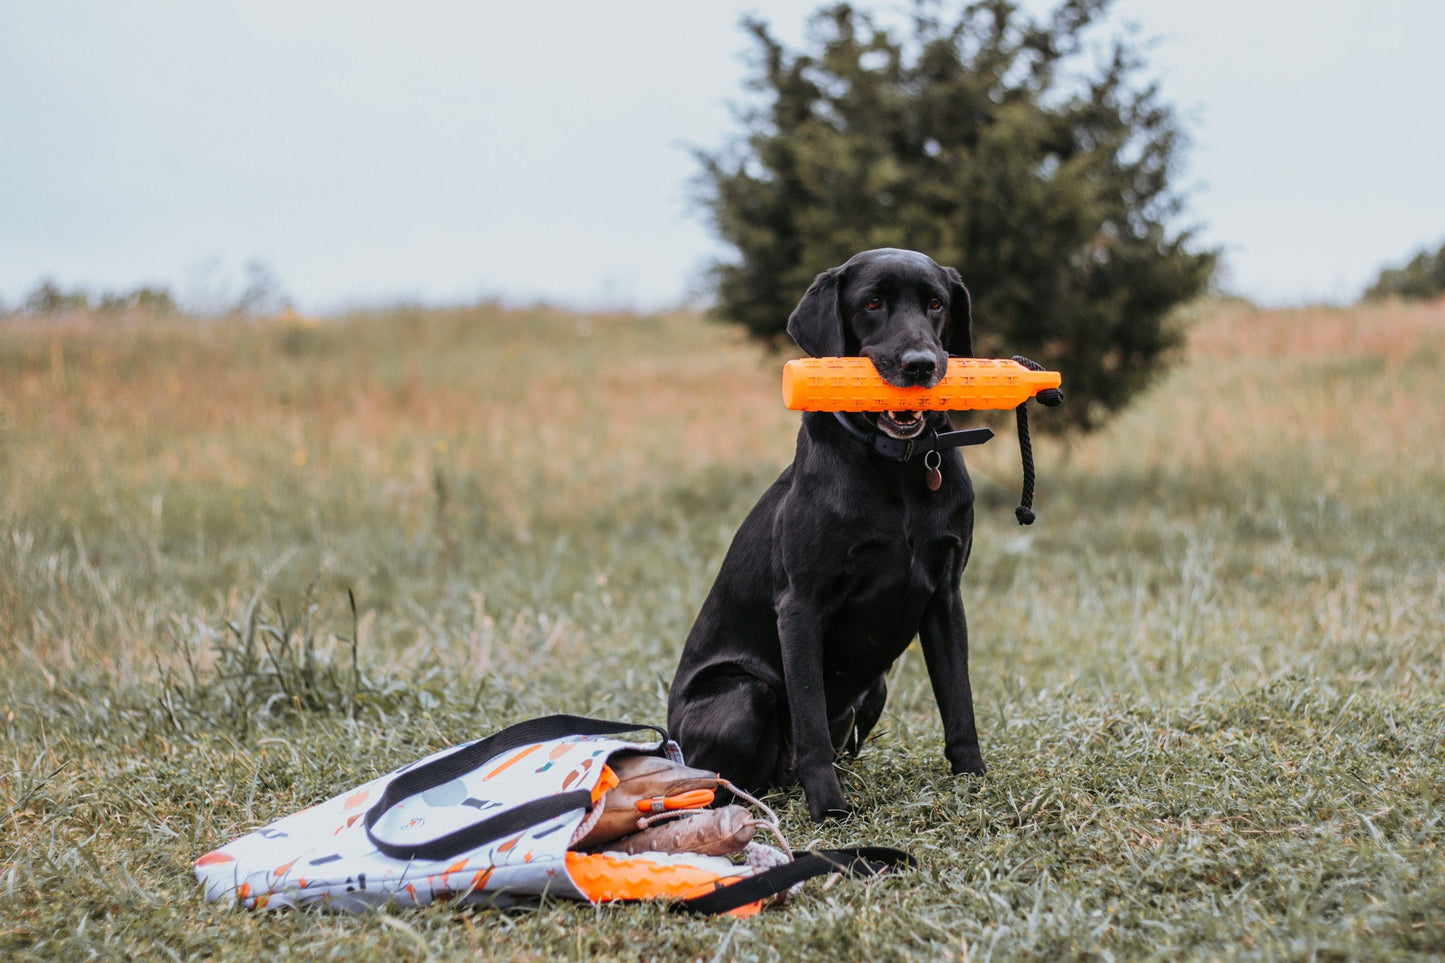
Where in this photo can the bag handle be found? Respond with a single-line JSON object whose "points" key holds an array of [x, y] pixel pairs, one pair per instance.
{"points": [[860, 862], [428, 776]]}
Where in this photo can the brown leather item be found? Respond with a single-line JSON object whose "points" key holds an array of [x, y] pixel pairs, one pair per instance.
{"points": [[639, 777], [712, 832]]}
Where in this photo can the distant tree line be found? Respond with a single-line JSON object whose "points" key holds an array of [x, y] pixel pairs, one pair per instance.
{"points": [[49, 298], [261, 295], [1420, 280]]}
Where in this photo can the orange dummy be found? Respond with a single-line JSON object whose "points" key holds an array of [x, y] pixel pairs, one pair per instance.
{"points": [[853, 384]]}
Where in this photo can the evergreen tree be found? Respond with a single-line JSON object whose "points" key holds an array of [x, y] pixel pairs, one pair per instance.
{"points": [[992, 143]]}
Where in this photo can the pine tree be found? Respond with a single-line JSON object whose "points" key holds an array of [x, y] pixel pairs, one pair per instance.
{"points": [[988, 141]]}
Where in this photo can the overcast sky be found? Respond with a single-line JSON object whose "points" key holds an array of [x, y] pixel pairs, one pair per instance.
{"points": [[371, 151]]}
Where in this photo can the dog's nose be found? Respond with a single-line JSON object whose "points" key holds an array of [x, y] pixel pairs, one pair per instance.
{"points": [[919, 366]]}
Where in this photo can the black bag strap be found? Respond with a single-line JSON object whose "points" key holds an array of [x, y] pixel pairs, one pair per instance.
{"points": [[438, 772], [859, 862]]}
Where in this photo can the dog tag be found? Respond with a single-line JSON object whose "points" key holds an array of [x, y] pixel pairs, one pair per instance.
{"points": [[934, 479]]}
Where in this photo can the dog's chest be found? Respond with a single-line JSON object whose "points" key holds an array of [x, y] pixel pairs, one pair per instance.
{"points": [[884, 569]]}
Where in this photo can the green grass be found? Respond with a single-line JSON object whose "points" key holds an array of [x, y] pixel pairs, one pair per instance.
{"points": [[1208, 679]]}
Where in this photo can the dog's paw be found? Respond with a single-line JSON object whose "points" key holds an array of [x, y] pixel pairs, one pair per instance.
{"points": [[832, 808], [840, 811], [970, 764]]}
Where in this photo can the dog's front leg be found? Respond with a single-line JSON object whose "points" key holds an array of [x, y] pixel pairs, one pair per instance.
{"points": [[944, 636], [800, 633]]}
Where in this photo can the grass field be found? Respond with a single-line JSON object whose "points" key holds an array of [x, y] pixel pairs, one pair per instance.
{"points": [[1209, 679]]}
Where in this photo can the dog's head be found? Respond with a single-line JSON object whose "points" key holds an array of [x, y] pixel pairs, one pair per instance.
{"points": [[901, 309]]}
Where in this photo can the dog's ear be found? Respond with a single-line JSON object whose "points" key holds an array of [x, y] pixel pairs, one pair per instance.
{"points": [[817, 322], [958, 339]]}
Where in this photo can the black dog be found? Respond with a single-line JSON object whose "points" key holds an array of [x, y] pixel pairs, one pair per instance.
{"points": [[849, 555]]}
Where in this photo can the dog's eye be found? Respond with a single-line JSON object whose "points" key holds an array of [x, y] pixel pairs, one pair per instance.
{"points": [[936, 304], [873, 304]]}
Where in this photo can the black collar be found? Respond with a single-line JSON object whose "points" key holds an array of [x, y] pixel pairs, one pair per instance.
{"points": [[906, 449]]}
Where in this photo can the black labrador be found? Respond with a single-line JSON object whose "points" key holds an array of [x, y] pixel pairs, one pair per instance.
{"points": [[847, 557]]}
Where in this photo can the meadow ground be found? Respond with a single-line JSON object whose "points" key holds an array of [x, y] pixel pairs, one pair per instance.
{"points": [[1209, 679]]}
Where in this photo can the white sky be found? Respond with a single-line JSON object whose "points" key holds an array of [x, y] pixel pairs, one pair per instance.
{"points": [[370, 151]]}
